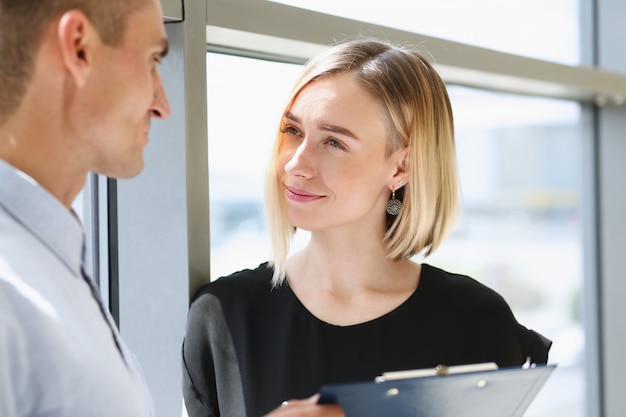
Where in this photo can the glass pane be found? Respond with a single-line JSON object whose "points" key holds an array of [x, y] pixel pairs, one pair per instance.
{"points": [[544, 29], [245, 101], [520, 231]]}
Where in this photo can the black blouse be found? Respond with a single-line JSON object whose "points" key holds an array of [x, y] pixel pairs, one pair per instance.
{"points": [[249, 347]]}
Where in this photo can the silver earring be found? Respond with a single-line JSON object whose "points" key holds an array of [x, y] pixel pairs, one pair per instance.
{"points": [[394, 206]]}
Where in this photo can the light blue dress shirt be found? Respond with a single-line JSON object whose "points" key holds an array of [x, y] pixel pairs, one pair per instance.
{"points": [[58, 356]]}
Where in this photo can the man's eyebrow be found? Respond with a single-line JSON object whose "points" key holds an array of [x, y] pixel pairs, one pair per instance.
{"points": [[165, 47]]}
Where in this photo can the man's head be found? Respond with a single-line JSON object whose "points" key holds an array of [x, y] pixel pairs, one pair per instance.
{"points": [[79, 85], [119, 92], [23, 23]]}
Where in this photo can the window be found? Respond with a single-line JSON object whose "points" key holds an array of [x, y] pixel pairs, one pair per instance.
{"points": [[544, 29], [241, 130], [520, 230]]}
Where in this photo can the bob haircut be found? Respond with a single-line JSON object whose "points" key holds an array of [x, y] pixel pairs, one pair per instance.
{"points": [[419, 115], [22, 25]]}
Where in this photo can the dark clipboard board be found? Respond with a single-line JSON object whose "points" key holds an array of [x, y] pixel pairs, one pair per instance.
{"points": [[506, 392]]}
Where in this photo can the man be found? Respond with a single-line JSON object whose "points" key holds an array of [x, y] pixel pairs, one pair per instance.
{"points": [[78, 87]]}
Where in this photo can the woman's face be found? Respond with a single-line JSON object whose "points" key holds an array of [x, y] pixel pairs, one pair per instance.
{"points": [[332, 160]]}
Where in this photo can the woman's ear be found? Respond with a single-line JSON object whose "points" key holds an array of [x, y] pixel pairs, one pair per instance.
{"points": [[77, 38], [401, 174]]}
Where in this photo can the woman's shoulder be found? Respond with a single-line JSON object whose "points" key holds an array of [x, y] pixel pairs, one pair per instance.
{"points": [[240, 294], [460, 290], [484, 313], [245, 281]]}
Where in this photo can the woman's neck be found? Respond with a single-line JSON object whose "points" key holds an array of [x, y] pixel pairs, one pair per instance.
{"points": [[346, 282]]}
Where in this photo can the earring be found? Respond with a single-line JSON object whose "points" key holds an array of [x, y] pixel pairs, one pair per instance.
{"points": [[394, 206]]}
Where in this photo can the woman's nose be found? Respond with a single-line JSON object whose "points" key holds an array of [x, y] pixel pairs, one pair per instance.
{"points": [[302, 160]]}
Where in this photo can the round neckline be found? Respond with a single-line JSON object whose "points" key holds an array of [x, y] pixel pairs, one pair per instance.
{"points": [[414, 294]]}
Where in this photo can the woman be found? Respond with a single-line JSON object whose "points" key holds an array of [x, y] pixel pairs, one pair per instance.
{"points": [[364, 160]]}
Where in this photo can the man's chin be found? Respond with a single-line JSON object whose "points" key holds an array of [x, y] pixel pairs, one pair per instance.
{"points": [[125, 172], [135, 171]]}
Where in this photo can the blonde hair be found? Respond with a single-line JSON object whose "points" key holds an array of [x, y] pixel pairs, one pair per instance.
{"points": [[420, 117]]}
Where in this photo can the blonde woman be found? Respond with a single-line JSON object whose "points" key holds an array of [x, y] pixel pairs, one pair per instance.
{"points": [[365, 160]]}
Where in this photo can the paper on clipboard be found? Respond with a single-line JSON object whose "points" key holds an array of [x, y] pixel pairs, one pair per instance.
{"points": [[488, 393]]}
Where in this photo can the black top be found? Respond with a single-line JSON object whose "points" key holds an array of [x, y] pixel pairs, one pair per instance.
{"points": [[249, 347]]}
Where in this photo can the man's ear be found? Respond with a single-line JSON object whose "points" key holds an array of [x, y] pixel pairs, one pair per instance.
{"points": [[77, 38]]}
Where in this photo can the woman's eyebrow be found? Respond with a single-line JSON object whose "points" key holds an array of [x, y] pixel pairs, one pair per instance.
{"points": [[339, 130], [292, 116], [325, 127]]}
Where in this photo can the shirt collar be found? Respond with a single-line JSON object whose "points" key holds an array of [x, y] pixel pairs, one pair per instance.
{"points": [[43, 215]]}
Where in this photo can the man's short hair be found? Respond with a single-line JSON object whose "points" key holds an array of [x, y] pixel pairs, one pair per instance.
{"points": [[22, 25]]}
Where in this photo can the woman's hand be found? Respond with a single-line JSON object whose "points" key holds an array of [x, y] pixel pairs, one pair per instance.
{"points": [[306, 408]]}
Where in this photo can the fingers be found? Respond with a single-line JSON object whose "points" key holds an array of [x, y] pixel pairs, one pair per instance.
{"points": [[311, 400], [306, 408]]}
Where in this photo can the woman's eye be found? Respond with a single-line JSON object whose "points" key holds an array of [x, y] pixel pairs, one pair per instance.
{"points": [[290, 130], [335, 143]]}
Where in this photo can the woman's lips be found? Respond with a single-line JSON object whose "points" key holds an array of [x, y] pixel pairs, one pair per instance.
{"points": [[301, 196]]}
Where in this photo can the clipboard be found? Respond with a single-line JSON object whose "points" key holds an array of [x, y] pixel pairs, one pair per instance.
{"points": [[505, 392]]}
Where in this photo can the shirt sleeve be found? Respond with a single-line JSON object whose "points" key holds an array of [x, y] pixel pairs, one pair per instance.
{"points": [[535, 346], [212, 384], [199, 387]]}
